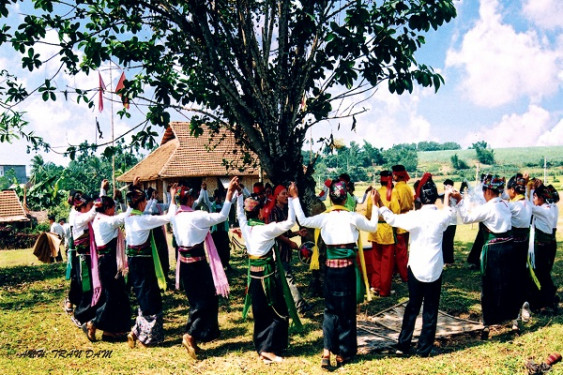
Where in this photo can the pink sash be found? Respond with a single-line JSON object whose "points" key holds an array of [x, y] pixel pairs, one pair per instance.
{"points": [[96, 285], [121, 258], [217, 271]]}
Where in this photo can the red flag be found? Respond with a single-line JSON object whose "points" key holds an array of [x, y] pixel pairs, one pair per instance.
{"points": [[101, 92], [119, 87]]}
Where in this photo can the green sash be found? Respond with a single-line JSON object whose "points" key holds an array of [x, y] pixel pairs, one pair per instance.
{"points": [[85, 274], [268, 285], [336, 253], [156, 259]]}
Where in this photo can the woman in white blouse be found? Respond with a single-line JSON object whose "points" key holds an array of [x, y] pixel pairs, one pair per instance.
{"points": [[544, 248], [113, 316], [192, 233], [83, 215], [340, 230], [264, 284], [145, 271]]}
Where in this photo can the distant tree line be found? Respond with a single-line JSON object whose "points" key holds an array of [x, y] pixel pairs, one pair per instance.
{"points": [[359, 160]]}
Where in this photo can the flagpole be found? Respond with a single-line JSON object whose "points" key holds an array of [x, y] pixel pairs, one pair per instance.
{"points": [[112, 128]]}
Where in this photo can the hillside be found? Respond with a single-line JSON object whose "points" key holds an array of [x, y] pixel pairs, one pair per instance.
{"points": [[508, 161], [519, 156]]}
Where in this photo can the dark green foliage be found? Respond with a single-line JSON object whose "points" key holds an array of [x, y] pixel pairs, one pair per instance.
{"points": [[458, 163], [404, 154], [247, 66], [485, 155]]}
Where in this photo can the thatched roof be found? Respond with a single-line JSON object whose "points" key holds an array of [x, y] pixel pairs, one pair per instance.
{"points": [[181, 155], [11, 210]]}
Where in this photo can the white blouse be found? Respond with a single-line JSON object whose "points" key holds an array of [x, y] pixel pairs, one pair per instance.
{"points": [[495, 214], [191, 228], [260, 239], [105, 227], [521, 213], [543, 217], [337, 227], [137, 227], [79, 222]]}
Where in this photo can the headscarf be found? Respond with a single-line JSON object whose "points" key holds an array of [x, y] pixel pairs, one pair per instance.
{"points": [[493, 182], [426, 190], [338, 190], [252, 203], [400, 171], [386, 178]]}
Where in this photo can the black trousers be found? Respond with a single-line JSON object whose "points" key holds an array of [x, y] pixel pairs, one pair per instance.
{"points": [[271, 323], [143, 280], [114, 314], [420, 292], [339, 324], [448, 244], [203, 323]]}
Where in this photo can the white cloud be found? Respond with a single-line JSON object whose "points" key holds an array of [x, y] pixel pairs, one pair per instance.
{"points": [[519, 130], [501, 64], [553, 136], [547, 14]]}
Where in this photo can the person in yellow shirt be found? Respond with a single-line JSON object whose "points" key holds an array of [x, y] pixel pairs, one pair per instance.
{"points": [[403, 194], [380, 260]]}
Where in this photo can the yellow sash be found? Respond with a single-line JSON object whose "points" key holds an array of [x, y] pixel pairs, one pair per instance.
{"points": [[315, 257]]}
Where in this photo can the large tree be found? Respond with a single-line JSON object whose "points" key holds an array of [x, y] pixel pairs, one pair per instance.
{"points": [[267, 70]]}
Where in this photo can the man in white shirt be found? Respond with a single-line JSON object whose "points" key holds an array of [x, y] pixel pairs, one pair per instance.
{"points": [[59, 231], [426, 227]]}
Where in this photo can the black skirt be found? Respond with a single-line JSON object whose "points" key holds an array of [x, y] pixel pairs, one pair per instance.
{"points": [[500, 296], [339, 324], [271, 323], [114, 314], [203, 323]]}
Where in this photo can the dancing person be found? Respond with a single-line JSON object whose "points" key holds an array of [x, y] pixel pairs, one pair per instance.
{"points": [[278, 210], [145, 270], [426, 227], [449, 234], [339, 229], [83, 242], [271, 301], [499, 260], [403, 194], [543, 247], [521, 211], [380, 260], [113, 315], [202, 281]]}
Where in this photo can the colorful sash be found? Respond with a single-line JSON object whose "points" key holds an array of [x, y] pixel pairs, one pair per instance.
{"points": [[315, 257], [161, 280], [268, 285], [96, 284], [337, 253], [217, 271], [69, 255], [120, 257]]}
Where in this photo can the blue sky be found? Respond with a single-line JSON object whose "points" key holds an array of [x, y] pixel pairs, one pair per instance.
{"points": [[502, 61]]}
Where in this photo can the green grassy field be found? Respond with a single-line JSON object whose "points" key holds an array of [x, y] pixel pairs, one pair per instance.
{"points": [[38, 337]]}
